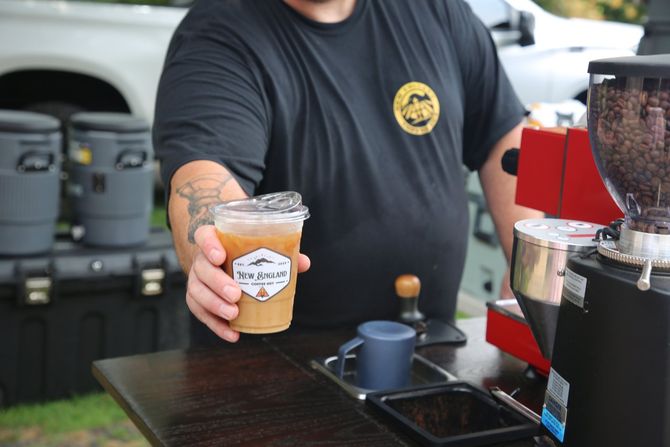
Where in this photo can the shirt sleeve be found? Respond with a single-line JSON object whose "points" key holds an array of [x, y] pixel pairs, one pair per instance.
{"points": [[210, 105], [492, 108]]}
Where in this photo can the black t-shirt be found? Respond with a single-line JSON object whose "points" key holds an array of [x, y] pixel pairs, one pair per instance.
{"points": [[370, 119]]}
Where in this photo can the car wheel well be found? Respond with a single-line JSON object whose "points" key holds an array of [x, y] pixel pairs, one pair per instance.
{"points": [[24, 89]]}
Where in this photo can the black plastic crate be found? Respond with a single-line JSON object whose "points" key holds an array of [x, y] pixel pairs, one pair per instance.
{"points": [[61, 311]]}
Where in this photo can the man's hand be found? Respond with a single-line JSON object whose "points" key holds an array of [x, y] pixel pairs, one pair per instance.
{"points": [[211, 294]]}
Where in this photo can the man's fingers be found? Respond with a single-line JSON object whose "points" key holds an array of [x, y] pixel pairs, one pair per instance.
{"points": [[211, 301], [215, 324], [210, 245], [304, 263], [216, 279]]}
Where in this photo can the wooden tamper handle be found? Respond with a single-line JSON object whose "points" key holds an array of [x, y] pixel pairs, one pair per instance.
{"points": [[407, 287]]}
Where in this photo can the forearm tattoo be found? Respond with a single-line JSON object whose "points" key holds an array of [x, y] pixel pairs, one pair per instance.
{"points": [[202, 192]]}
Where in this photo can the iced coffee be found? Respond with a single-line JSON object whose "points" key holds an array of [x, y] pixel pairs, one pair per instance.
{"points": [[261, 236]]}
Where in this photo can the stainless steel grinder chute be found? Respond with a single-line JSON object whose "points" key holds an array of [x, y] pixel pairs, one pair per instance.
{"points": [[541, 250], [30, 152], [111, 177]]}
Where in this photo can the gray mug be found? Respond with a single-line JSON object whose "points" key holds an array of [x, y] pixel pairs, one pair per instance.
{"points": [[384, 357]]}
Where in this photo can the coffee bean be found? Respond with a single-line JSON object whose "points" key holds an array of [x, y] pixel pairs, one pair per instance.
{"points": [[632, 144]]}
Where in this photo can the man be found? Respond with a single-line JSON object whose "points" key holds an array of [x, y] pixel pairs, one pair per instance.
{"points": [[369, 108]]}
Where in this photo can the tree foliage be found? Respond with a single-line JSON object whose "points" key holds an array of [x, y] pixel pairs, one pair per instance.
{"points": [[619, 10]]}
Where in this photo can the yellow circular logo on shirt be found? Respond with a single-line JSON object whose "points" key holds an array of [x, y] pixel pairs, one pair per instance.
{"points": [[416, 108]]}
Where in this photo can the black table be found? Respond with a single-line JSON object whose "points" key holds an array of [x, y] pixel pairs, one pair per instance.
{"points": [[262, 391]]}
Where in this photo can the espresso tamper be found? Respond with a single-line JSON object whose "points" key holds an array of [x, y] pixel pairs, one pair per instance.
{"points": [[408, 287], [428, 331]]}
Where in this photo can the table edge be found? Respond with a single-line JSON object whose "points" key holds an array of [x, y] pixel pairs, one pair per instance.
{"points": [[132, 415]]}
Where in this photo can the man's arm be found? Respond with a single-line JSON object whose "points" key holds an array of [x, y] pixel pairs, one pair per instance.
{"points": [[210, 294], [194, 188], [500, 190]]}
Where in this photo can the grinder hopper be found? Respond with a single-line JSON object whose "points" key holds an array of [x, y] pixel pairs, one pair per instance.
{"points": [[629, 116], [541, 250]]}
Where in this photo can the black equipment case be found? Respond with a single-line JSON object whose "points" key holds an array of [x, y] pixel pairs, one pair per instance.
{"points": [[61, 311]]}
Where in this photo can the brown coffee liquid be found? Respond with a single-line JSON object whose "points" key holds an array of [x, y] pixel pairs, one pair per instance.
{"points": [[275, 314]]}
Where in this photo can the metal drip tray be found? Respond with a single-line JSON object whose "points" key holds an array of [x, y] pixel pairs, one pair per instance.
{"points": [[424, 372]]}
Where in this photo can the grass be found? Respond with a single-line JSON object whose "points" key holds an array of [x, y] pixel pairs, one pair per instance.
{"points": [[158, 217], [78, 413], [460, 315], [93, 419]]}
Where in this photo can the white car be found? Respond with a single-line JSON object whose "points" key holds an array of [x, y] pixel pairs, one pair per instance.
{"points": [[60, 56], [545, 56]]}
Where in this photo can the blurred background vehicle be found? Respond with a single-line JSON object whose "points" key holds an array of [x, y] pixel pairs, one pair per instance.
{"points": [[59, 56], [63, 56], [546, 56]]}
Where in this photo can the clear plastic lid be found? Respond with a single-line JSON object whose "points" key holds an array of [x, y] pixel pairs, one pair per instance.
{"points": [[278, 207], [629, 128]]}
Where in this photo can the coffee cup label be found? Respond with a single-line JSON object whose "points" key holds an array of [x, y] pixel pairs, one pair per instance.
{"points": [[262, 273]]}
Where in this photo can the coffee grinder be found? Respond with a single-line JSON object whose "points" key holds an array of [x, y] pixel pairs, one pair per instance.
{"points": [[609, 383]]}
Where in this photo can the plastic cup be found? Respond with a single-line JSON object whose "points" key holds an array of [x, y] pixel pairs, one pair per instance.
{"points": [[261, 236]]}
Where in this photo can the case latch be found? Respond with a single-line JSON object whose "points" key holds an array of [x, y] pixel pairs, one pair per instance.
{"points": [[152, 282], [37, 291]]}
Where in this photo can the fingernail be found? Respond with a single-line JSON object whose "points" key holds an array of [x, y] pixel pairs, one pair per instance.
{"points": [[226, 312], [231, 293], [229, 335]]}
